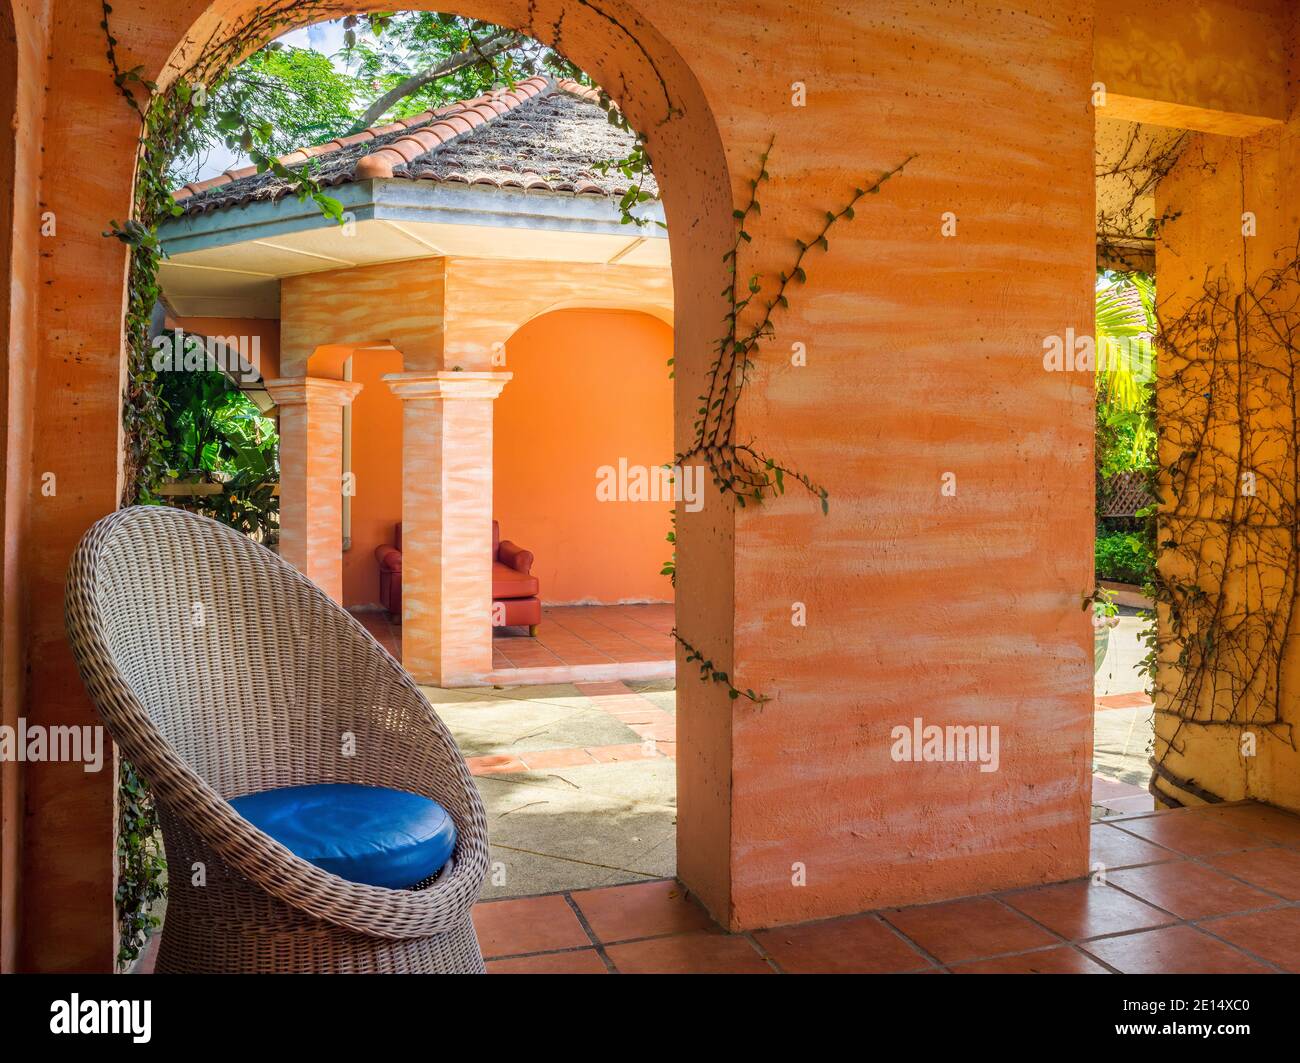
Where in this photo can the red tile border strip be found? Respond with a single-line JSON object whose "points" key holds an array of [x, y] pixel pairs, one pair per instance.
{"points": [[1138, 700]]}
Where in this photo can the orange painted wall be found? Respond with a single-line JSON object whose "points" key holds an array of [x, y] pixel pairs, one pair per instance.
{"points": [[267, 331], [920, 357], [1230, 75], [24, 44], [377, 463], [1216, 179], [589, 387]]}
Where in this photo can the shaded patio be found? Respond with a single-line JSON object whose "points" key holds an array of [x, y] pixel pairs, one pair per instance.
{"points": [[1209, 890], [1212, 890]]}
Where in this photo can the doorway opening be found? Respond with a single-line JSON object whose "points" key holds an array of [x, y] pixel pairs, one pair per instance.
{"points": [[391, 376], [1131, 160]]}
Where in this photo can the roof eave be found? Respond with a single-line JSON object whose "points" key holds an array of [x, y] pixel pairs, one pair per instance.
{"points": [[403, 199]]}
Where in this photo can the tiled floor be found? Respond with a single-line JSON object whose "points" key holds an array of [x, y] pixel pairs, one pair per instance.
{"points": [[1209, 890], [573, 644]]}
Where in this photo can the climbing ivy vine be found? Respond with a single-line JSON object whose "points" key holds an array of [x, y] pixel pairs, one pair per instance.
{"points": [[741, 468]]}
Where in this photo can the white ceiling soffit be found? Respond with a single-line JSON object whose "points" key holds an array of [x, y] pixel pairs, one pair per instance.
{"points": [[228, 263]]}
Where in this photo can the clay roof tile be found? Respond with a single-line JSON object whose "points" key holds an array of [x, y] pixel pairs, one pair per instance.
{"points": [[440, 145]]}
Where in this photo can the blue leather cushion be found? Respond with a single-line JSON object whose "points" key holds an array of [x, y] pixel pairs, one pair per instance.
{"points": [[364, 834]]}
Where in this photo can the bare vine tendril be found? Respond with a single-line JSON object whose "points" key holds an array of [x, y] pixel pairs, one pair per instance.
{"points": [[741, 468]]}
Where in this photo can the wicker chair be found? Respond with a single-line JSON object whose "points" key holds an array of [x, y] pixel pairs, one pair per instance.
{"points": [[221, 671]]}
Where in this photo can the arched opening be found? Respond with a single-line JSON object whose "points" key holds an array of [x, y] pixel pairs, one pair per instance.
{"points": [[589, 390], [658, 93]]}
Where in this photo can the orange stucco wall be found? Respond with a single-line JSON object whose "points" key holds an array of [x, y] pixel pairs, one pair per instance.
{"points": [[377, 465], [1216, 180], [589, 387], [266, 330], [23, 46], [1216, 66], [924, 356]]}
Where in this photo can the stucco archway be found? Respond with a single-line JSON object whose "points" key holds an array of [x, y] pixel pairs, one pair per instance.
{"points": [[658, 93]]}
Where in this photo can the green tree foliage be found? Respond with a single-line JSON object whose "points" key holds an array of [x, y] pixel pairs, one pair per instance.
{"points": [[1124, 556], [284, 97], [218, 435], [1125, 378]]}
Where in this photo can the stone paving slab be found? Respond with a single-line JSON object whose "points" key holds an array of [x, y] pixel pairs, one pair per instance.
{"points": [[578, 781], [549, 833]]}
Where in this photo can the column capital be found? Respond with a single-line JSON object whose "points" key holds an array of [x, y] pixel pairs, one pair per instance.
{"points": [[312, 390], [447, 384]]}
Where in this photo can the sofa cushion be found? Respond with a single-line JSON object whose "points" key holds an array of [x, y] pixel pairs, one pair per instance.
{"points": [[515, 557], [364, 834], [511, 583], [517, 612]]}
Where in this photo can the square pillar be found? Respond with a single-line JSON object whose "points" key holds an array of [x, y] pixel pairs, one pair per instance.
{"points": [[311, 476], [447, 524]]}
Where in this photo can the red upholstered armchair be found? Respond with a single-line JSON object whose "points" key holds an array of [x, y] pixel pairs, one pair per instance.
{"points": [[515, 601]]}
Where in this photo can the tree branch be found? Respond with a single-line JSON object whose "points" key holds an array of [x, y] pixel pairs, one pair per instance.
{"points": [[504, 41]]}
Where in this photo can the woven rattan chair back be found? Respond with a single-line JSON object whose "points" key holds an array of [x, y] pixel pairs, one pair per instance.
{"points": [[221, 671]]}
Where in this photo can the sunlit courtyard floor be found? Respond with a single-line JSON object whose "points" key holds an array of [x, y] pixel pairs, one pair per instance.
{"points": [[578, 780]]}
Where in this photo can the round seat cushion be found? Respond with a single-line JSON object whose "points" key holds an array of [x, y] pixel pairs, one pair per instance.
{"points": [[364, 834]]}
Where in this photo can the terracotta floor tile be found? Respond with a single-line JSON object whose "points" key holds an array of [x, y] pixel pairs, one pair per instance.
{"points": [[1270, 824], [532, 656], [577, 636], [1173, 950], [860, 944], [1189, 890], [1277, 870], [1113, 848], [642, 909], [528, 924], [494, 764], [635, 655], [967, 930], [1272, 935], [612, 754], [565, 650], [697, 953], [583, 961], [1119, 818], [1124, 701], [1080, 910], [1193, 834], [587, 656], [1063, 960]]}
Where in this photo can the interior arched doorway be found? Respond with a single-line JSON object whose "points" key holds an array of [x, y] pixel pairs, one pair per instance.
{"points": [[600, 373], [67, 922]]}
